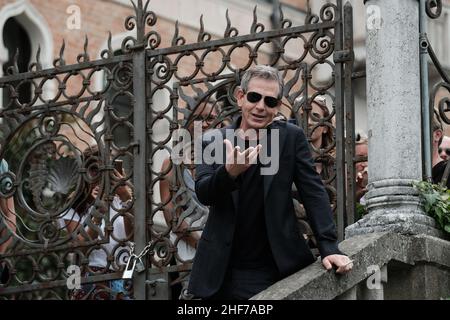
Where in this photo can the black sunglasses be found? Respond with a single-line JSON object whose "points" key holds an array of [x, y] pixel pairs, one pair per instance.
{"points": [[447, 151], [271, 102]]}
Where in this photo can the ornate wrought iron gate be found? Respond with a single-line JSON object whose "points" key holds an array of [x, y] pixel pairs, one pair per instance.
{"points": [[148, 92]]}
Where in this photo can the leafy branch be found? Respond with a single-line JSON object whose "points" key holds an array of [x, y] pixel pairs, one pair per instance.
{"points": [[436, 200], [361, 210]]}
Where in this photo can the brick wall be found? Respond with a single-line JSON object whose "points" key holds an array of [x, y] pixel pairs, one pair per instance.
{"points": [[301, 4], [99, 17]]}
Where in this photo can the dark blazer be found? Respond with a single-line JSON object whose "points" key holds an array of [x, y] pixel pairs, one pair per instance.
{"points": [[215, 188]]}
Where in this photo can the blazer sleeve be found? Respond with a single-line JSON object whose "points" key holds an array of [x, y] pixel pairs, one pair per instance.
{"points": [[315, 198], [212, 181]]}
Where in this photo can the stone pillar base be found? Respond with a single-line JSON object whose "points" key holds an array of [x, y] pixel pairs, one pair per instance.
{"points": [[394, 205]]}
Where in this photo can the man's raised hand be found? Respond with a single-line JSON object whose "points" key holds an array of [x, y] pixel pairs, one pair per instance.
{"points": [[237, 161]]}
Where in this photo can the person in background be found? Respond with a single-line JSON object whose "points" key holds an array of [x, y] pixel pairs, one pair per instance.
{"points": [[361, 172], [361, 167], [7, 219], [437, 136], [444, 148], [322, 139], [205, 113], [438, 163], [323, 152], [89, 210], [6, 207]]}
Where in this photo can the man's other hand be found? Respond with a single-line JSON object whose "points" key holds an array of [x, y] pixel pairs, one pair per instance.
{"points": [[339, 261]]}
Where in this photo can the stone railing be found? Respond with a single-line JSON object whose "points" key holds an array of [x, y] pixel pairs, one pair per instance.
{"points": [[386, 266]]}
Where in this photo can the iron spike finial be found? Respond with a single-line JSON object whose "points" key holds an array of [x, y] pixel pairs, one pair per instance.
{"points": [[14, 69], [86, 44], [256, 27], [110, 50], [38, 58], [202, 35], [202, 29], [229, 31], [255, 21], [61, 52], [84, 57], [36, 66], [146, 5], [108, 53], [58, 62], [16, 59], [177, 40], [135, 7], [283, 23], [227, 17], [175, 35], [280, 10], [310, 18]]}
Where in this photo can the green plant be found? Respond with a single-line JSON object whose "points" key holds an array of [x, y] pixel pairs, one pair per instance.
{"points": [[361, 210], [436, 200]]}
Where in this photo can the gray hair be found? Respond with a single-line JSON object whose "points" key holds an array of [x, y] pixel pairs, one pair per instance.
{"points": [[262, 72]]}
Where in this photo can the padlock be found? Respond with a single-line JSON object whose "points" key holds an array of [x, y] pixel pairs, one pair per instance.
{"points": [[129, 269]]}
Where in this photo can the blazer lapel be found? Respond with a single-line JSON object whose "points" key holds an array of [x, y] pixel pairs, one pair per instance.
{"points": [[235, 193], [268, 179]]}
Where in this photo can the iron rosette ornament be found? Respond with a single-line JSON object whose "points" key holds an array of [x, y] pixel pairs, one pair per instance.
{"points": [[47, 173]]}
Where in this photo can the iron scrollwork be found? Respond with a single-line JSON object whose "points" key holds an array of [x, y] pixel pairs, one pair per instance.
{"points": [[433, 8], [441, 90], [45, 136]]}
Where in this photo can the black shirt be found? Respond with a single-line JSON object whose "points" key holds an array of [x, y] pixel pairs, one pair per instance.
{"points": [[251, 247]]}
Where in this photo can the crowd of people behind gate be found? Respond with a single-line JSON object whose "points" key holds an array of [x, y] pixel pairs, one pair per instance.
{"points": [[90, 211]]}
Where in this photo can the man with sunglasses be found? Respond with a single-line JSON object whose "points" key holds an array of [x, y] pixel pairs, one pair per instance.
{"points": [[251, 240]]}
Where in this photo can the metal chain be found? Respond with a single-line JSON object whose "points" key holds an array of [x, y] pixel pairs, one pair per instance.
{"points": [[143, 252], [132, 247]]}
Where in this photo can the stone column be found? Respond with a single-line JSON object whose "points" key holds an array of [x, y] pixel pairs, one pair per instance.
{"points": [[394, 117]]}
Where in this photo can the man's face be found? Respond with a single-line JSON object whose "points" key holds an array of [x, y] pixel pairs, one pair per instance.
{"points": [[206, 113], [256, 115], [316, 113], [361, 167], [361, 150], [444, 148]]}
